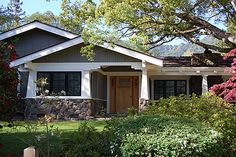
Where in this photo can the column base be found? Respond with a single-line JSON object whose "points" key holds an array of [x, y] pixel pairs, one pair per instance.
{"points": [[143, 103]]}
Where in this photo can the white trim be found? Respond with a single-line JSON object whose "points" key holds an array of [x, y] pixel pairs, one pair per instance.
{"points": [[79, 66], [79, 40], [204, 84], [86, 84], [190, 71], [134, 54], [39, 25], [144, 85], [31, 87], [65, 97]]}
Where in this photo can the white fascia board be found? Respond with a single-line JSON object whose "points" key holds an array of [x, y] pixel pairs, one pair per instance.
{"points": [[79, 66], [193, 68], [133, 54], [47, 51], [38, 25]]}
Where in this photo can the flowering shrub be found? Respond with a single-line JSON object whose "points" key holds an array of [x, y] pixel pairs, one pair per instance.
{"points": [[8, 80], [227, 90]]}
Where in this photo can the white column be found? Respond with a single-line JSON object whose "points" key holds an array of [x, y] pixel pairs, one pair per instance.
{"points": [[31, 87], [204, 84], [86, 85], [144, 85]]}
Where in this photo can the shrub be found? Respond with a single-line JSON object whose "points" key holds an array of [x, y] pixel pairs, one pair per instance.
{"points": [[153, 135], [208, 108], [88, 142]]}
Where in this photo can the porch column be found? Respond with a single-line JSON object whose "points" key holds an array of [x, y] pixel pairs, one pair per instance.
{"points": [[204, 84], [31, 87], [86, 85], [144, 96], [144, 85]]}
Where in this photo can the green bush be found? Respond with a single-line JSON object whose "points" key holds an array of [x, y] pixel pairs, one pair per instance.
{"points": [[153, 135], [88, 142], [209, 109]]}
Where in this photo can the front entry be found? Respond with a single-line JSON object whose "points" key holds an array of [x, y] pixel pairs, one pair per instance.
{"points": [[124, 93]]}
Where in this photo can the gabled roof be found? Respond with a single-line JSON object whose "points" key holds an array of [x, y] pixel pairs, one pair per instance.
{"points": [[79, 40], [39, 25]]}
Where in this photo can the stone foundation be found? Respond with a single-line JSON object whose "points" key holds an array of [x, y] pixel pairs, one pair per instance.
{"points": [[143, 103], [63, 109]]}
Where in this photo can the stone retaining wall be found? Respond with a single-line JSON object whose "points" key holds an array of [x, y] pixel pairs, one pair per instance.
{"points": [[63, 109]]}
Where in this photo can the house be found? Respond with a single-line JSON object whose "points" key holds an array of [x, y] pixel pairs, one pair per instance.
{"points": [[116, 80]]}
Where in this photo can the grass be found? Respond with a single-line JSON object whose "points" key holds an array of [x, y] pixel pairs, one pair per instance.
{"points": [[15, 139]]}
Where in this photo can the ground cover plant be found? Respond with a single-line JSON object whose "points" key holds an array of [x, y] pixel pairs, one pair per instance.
{"points": [[209, 109], [146, 135]]}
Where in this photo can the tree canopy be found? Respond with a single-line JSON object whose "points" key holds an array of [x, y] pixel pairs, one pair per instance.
{"points": [[155, 22], [46, 17]]}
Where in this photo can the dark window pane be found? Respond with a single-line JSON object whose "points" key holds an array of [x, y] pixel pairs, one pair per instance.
{"points": [[58, 82], [167, 88], [159, 89], [180, 87], [170, 88], [74, 84]]}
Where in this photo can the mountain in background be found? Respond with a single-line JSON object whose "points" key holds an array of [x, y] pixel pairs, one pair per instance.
{"points": [[184, 49]]}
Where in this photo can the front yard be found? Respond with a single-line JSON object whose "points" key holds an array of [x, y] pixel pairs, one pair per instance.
{"points": [[16, 138]]}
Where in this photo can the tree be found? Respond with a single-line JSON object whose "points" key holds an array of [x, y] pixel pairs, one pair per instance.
{"points": [[16, 11], [155, 22], [227, 89], [11, 16], [75, 15], [8, 80], [47, 17]]}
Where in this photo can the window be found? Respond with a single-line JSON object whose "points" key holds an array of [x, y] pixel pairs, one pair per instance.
{"points": [[70, 82], [166, 88]]}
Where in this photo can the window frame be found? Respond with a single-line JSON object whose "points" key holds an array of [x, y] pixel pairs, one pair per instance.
{"points": [[65, 81], [164, 88]]}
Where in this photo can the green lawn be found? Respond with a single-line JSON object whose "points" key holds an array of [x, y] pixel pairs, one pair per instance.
{"points": [[15, 139]]}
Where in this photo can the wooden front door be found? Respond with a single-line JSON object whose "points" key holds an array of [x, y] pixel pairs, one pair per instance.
{"points": [[124, 91]]}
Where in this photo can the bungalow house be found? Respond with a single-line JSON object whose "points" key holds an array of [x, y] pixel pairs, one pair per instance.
{"points": [[117, 79]]}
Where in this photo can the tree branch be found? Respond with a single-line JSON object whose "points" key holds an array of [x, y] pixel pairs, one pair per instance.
{"points": [[207, 46]]}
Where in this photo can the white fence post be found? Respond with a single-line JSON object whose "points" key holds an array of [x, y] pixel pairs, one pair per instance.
{"points": [[30, 152]]}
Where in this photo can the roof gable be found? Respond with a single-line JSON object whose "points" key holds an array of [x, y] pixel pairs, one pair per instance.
{"points": [[39, 25], [79, 40]]}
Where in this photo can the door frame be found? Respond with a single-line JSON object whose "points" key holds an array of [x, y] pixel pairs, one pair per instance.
{"points": [[109, 74]]}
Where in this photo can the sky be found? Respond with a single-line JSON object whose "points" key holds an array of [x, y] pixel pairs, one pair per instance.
{"points": [[32, 6]]}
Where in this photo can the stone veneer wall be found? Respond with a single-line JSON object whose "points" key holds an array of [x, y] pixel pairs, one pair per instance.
{"points": [[63, 109]]}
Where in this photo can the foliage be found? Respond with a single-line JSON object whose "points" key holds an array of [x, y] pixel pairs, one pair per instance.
{"points": [[15, 7], [208, 108], [8, 80], [46, 17], [132, 111], [11, 16], [227, 89], [153, 135], [88, 142], [154, 23], [74, 14]]}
